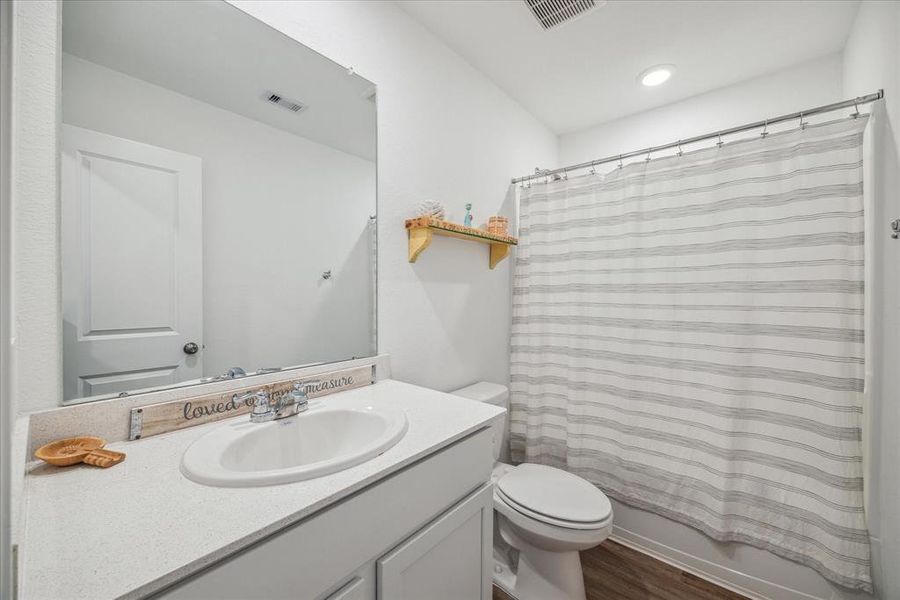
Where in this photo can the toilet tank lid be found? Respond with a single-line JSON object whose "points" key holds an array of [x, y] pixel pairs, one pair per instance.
{"points": [[485, 391]]}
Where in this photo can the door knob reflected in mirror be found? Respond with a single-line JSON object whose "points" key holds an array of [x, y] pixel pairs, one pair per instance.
{"points": [[191, 348]]}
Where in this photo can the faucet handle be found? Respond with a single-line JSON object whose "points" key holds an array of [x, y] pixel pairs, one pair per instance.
{"points": [[300, 395], [260, 404]]}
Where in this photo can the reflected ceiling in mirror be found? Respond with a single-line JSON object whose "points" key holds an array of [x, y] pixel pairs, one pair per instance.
{"points": [[218, 199]]}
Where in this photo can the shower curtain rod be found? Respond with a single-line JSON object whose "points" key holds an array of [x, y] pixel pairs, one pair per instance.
{"points": [[716, 134]]}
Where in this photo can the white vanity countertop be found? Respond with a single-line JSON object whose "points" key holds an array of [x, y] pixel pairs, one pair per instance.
{"points": [[131, 530]]}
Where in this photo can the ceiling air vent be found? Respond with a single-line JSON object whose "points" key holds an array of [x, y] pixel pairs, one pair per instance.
{"points": [[287, 103], [553, 13]]}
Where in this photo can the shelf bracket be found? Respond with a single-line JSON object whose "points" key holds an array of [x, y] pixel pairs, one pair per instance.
{"points": [[498, 253], [419, 239]]}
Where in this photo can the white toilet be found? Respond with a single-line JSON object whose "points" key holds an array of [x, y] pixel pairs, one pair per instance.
{"points": [[545, 514]]}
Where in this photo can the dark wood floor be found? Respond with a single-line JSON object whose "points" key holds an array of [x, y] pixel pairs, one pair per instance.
{"points": [[614, 572]]}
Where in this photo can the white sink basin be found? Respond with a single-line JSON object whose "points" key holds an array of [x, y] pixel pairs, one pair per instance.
{"points": [[333, 435]]}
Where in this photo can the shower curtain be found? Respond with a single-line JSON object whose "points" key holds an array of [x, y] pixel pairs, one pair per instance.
{"points": [[688, 335]]}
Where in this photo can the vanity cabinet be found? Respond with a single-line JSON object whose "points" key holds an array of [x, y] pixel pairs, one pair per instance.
{"points": [[423, 532], [445, 560]]}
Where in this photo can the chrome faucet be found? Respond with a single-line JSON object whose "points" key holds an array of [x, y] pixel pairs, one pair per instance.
{"points": [[264, 408], [232, 373], [235, 372]]}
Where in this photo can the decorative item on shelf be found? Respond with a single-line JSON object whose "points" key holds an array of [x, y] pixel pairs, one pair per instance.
{"points": [[467, 222], [72, 451], [498, 225], [421, 230], [431, 208]]}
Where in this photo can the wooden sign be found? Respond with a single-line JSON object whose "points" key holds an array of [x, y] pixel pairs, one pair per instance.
{"points": [[170, 416]]}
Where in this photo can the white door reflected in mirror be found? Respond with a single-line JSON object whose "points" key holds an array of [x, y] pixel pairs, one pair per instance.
{"points": [[132, 264]]}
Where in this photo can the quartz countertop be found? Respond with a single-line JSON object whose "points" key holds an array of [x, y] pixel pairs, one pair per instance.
{"points": [[133, 529]]}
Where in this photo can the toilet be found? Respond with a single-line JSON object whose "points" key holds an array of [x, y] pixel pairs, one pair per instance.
{"points": [[545, 515]]}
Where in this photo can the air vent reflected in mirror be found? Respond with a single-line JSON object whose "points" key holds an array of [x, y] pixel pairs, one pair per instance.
{"points": [[286, 103]]}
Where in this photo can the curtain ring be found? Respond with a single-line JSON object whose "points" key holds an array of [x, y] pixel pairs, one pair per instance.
{"points": [[765, 131], [648, 155], [855, 114], [802, 123], [720, 143], [680, 151], [593, 171], [620, 161]]}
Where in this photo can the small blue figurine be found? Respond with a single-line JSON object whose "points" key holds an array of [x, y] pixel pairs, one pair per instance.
{"points": [[468, 220]]}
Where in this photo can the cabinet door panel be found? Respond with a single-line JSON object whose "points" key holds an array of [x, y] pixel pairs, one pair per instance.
{"points": [[361, 587], [449, 559]]}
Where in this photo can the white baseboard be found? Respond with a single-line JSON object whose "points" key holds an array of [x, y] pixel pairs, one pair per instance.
{"points": [[749, 586]]}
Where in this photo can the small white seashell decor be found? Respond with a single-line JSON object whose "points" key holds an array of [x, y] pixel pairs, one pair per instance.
{"points": [[431, 208]]}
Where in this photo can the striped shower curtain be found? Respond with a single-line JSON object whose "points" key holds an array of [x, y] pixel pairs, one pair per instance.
{"points": [[688, 335]]}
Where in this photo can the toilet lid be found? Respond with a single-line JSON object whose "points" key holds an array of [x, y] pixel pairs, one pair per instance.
{"points": [[555, 493]]}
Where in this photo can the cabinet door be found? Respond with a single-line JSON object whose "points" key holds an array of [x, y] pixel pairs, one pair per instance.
{"points": [[449, 559]]}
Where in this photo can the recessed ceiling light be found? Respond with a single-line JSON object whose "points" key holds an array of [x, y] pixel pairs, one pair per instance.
{"points": [[656, 75]]}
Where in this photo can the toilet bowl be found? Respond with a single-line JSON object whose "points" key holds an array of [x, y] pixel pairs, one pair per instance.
{"points": [[546, 515]]}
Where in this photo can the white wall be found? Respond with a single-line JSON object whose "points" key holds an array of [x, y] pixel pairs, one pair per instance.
{"points": [[445, 132], [807, 85], [37, 352], [804, 86], [872, 61], [7, 410], [278, 210]]}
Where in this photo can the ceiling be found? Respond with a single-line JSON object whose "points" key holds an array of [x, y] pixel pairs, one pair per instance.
{"points": [[217, 54], [584, 72]]}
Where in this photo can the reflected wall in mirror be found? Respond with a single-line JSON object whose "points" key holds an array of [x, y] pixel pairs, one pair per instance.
{"points": [[218, 199]]}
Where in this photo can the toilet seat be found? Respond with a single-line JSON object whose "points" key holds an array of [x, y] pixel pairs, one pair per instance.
{"points": [[554, 497], [549, 520]]}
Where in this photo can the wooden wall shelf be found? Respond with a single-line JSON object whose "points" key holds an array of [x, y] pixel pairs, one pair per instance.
{"points": [[420, 231]]}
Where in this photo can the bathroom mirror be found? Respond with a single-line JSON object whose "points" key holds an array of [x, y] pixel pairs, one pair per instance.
{"points": [[218, 199]]}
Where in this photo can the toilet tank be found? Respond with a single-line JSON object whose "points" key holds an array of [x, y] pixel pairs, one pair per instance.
{"points": [[491, 393]]}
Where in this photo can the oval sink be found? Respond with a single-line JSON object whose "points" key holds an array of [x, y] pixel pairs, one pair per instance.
{"points": [[331, 436]]}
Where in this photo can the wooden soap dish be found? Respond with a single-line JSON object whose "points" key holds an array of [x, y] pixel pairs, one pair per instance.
{"points": [[104, 458], [72, 451]]}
